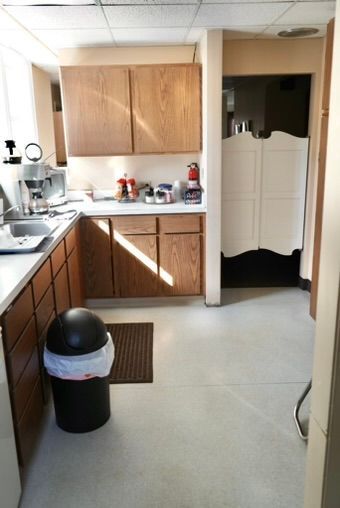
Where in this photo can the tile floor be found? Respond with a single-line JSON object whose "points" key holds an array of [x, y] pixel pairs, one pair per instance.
{"points": [[215, 429]]}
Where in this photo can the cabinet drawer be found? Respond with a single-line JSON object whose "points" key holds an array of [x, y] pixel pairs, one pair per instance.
{"points": [[17, 317], [134, 225], [61, 290], [29, 426], [42, 339], [21, 353], [58, 258], [70, 241], [44, 310], [41, 281], [24, 388], [180, 224], [45, 379]]}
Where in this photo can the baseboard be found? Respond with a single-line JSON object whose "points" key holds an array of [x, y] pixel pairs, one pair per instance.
{"points": [[304, 284], [150, 301]]}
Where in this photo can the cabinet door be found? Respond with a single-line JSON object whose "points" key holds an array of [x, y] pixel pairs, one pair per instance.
{"points": [[167, 108], [74, 277], [61, 290], [28, 428], [41, 282], [136, 265], [180, 263], [97, 110], [96, 258]]}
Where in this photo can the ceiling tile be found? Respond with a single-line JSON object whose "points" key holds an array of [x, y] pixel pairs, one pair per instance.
{"points": [[148, 36], [227, 15], [236, 1], [57, 39], [28, 46], [131, 16], [40, 18], [272, 31], [304, 13], [7, 22], [150, 2], [47, 2], [242, 32]]}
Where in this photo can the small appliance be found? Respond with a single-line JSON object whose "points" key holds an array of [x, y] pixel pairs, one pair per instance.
{"points": [[35, 175], [56, 193], [10, 154]]}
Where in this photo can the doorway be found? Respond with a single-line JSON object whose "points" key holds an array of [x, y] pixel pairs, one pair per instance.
{"points": [[261, 105]]}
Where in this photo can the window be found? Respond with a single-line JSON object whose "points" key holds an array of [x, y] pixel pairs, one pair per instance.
{"points": [[17, 112]]}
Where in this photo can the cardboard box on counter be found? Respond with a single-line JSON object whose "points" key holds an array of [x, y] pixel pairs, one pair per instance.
{"points": [[193, 196]]}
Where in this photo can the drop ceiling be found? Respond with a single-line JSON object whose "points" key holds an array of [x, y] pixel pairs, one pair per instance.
{"points": [[55, 24]]}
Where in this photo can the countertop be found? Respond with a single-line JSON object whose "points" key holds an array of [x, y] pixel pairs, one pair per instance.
{"points": [[112, 207], [17, 269]]}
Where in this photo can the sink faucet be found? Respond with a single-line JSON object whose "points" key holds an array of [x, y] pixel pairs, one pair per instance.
{"points": [[5, 212]]}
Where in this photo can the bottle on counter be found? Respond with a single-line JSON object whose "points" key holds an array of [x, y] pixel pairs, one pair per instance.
{"points": [[149, 196], [193, 192], [132, 190], [178, 190], [168, 192], [120, 189], [193, 175], [160, 197]]}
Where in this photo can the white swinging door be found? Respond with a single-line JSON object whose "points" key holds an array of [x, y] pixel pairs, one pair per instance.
{"points": [[263, 193]]}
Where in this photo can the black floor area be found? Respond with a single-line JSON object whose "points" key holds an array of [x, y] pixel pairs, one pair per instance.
{"points": [[260, 268]]}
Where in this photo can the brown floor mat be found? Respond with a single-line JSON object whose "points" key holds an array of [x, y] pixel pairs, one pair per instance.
{"points": [[133, 352]]}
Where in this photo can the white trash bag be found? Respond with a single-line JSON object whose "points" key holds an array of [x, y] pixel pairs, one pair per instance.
{"points": [[81, 367]]}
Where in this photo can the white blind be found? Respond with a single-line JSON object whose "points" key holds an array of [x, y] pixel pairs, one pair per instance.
{"points": [[17, 112]]}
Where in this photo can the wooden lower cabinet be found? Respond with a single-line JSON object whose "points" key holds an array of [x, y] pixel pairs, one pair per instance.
{"points": [[136, 266], [180, 263], [168, 262], [29, 425], [54, 288], [75, 282], [96, 256], [61, 290]]}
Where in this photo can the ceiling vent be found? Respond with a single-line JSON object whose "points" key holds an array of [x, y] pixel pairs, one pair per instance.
{"points": [[298, 32]]}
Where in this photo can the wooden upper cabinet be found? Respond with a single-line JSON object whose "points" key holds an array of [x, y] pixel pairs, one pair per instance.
{"points": [[166, 108], [97, 110]]}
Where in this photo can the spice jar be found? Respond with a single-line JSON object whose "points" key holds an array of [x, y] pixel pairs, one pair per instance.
{"points": [[132, 190], [149, 196], [160, 197], [120, 189]]}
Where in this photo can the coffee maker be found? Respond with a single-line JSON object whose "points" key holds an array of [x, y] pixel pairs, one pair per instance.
{"points": [[35, 175]]}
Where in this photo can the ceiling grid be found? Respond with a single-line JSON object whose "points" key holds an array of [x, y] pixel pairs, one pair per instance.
{"points": [[103, 23]]}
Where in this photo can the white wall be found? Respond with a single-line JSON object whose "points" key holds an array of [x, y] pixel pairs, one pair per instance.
{"points": [[103, 172], [210, 53], [44, 113], [323, 458]]}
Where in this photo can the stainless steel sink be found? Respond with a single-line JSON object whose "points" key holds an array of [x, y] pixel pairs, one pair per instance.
{"points": [[21, 237], [17, 229]]}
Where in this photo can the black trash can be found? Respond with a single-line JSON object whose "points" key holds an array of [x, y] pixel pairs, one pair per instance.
{"points": [[80, 405]]}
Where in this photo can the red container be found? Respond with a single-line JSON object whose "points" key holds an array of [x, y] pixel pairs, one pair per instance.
{"points": [[193, 174]]}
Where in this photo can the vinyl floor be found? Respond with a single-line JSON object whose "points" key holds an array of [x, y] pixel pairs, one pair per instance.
{"points": [[214, 429]]}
